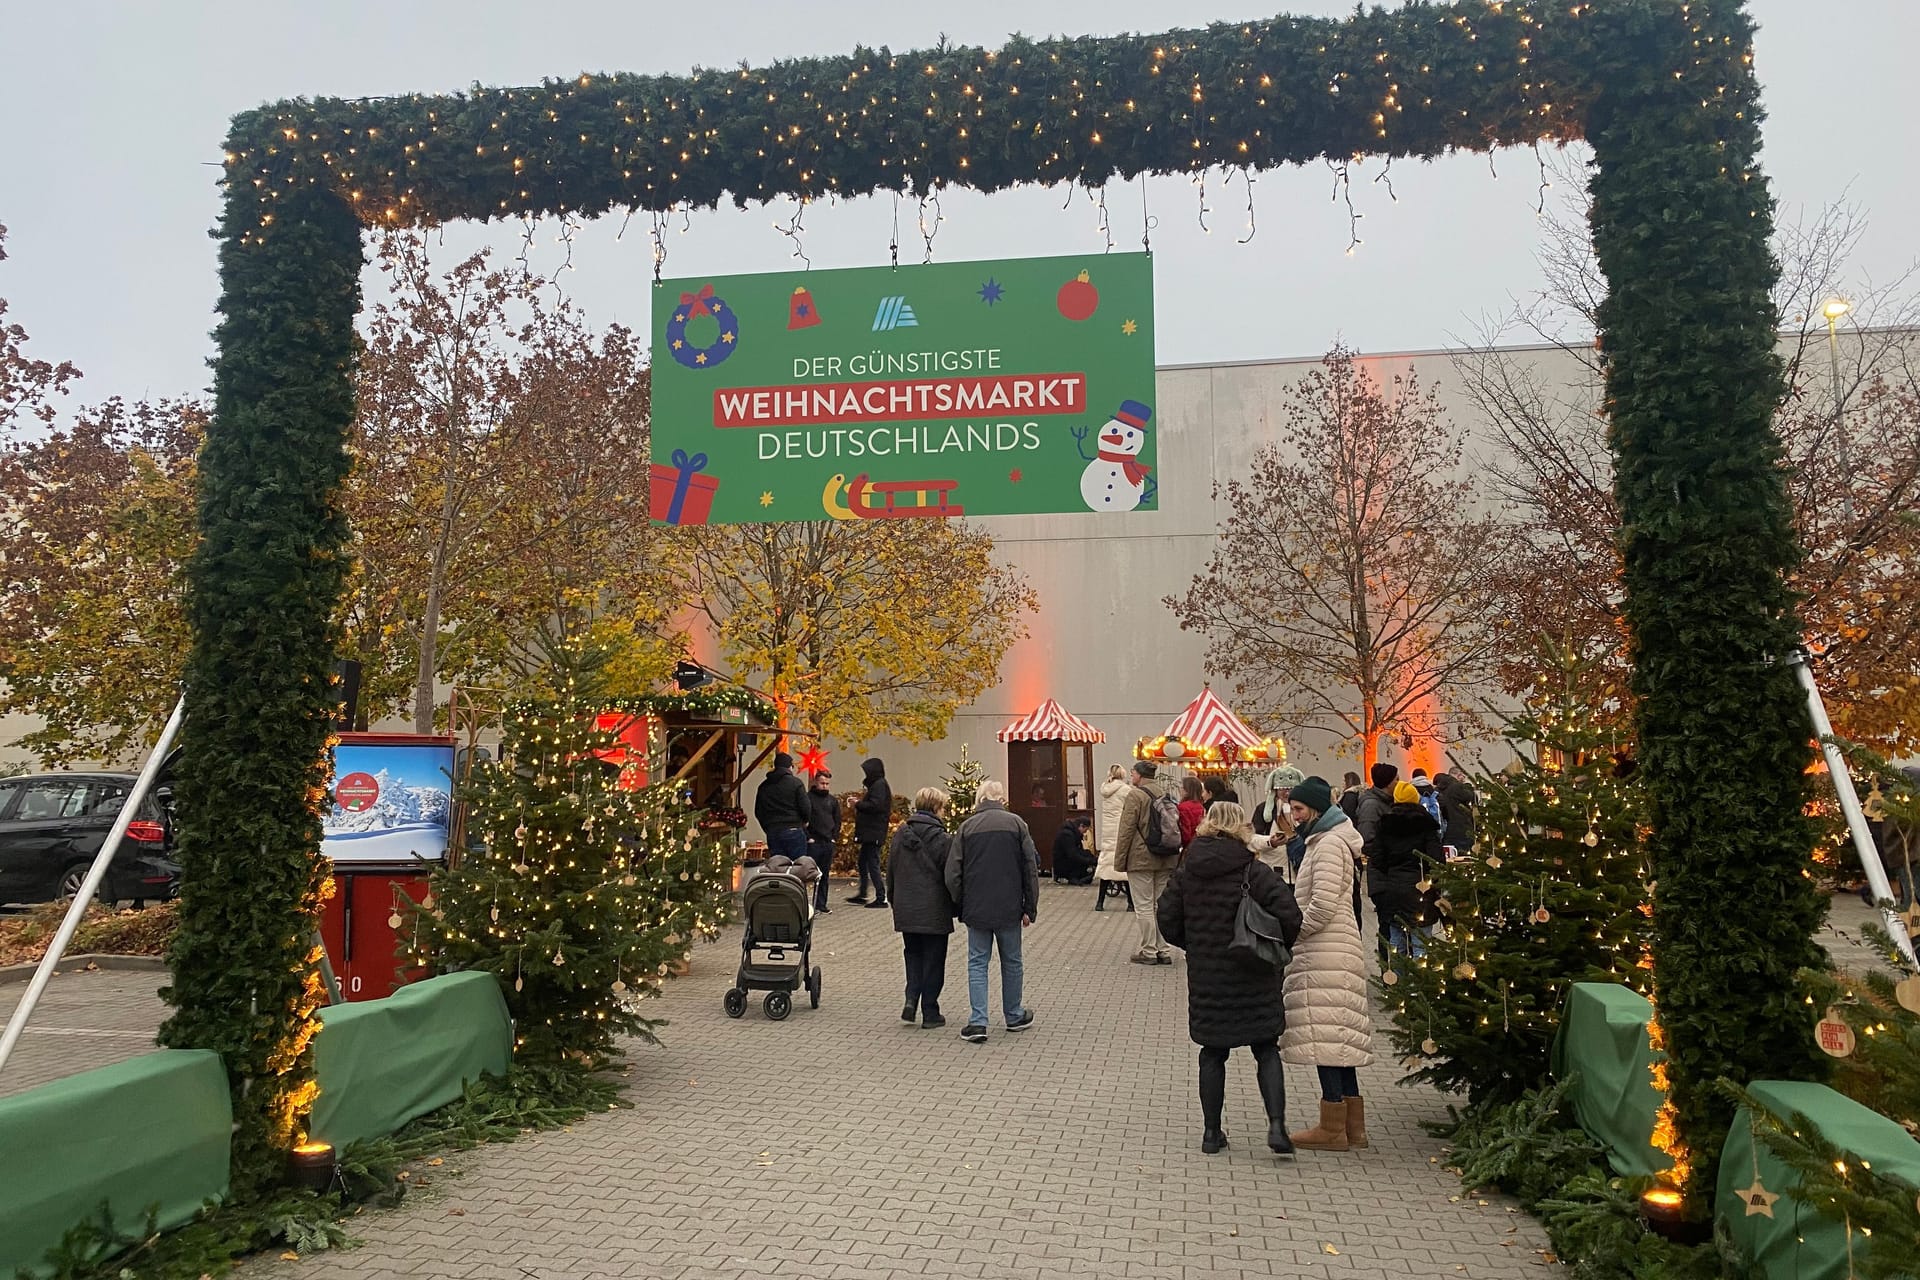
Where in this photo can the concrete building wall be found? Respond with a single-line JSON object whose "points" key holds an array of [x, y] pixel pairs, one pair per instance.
{"points": [[1102, 642]]}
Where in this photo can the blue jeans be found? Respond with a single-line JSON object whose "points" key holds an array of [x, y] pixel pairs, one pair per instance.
{"points": [[791, 841], [980, 945], [1406, 939], [1337, 1084]]}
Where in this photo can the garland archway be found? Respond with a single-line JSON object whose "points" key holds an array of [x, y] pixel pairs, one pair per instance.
{"points": [[1662, 90]]}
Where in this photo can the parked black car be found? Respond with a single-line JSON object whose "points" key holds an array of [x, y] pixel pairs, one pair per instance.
{"points": [[53, 824]]}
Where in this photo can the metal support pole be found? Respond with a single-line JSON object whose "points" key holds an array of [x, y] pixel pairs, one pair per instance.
{"points": [[1850, 806], [91, 885], [327, 975]]}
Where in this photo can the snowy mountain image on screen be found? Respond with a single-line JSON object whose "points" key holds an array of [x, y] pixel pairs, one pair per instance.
{"points": [[404, 822]]}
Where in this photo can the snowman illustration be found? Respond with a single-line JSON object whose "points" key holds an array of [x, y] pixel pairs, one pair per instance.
{"points": [[1115, 479]]}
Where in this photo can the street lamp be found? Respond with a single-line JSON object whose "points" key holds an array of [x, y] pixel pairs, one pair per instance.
{"points": [[1833, 309]]}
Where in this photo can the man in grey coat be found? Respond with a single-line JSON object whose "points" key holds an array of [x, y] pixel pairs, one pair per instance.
{"points": [[993, 876]]}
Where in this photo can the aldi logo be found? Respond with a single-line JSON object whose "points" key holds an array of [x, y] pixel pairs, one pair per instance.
{"points": [[893, 313]]}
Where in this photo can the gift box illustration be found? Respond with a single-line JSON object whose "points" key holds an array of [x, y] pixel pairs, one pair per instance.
{"points": [[679, 494]]}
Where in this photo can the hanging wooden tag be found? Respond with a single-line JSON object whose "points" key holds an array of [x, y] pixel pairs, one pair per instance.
{"points": [[1833, 1035]]}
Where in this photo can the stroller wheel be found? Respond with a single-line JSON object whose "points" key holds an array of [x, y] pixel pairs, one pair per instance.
{"points": [[778, 1005], [813, 988], [736, 1003]]}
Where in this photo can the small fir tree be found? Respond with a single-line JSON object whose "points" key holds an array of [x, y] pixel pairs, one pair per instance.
{"points": [[1555, 892], [963, 785], [576, 894]]}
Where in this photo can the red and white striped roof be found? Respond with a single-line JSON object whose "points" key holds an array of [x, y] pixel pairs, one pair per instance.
{"points": [[1207, 721], [1050, 722]]}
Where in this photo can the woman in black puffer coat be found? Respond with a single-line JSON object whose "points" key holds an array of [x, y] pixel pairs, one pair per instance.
{"points": [[1229, 1002], [1405, 851], [922, 908]]}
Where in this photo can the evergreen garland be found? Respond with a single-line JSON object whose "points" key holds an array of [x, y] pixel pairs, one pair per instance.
{"points": [[1681, 219], [262, 590]]}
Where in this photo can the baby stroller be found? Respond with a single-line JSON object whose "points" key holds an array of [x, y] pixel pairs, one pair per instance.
{"points": [[776, 951]]}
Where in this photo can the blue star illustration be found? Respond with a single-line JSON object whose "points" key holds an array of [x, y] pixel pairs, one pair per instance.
{"points": [[990, 291]]}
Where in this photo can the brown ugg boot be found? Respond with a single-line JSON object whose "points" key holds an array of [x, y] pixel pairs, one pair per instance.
{"points": [[1330, 1134], [1356, 1123]]}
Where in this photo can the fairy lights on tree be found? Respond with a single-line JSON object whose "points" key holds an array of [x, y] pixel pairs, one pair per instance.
{"points": [[578, 895]]}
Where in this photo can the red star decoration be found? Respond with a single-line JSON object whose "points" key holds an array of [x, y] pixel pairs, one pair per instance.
{"points": [[1014, 475], [813, 760]]}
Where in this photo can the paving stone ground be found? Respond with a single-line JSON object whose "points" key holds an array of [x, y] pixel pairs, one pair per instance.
{"points": [[844, 1145]]}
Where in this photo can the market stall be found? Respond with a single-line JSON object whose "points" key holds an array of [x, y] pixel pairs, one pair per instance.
{"points": [[1049, 781]]}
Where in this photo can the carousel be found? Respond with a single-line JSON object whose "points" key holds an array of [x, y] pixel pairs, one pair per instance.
{"points": [[1208, 738]]}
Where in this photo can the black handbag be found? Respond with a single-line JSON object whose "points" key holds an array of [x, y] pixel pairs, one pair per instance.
{"points": [[1258, 938]]}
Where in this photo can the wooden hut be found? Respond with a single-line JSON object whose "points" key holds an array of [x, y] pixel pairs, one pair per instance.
{"points": [[1050, 771]]}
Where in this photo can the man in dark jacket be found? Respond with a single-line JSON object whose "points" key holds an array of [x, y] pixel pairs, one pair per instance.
{"points": [[872, 815], [1072, 864], [1458, 802], [922, 908], [781, 808], [1374, 803], [823, 831], [993, 875]]}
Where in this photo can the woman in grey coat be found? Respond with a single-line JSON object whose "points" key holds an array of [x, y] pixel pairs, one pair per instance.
{"points": [[922, 907]]}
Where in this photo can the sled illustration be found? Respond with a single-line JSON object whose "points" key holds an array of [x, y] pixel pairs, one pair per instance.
{"points": [[890, 499]]}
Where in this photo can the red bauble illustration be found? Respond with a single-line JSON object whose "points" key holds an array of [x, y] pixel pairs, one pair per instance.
{"points": [[1078, 299]]}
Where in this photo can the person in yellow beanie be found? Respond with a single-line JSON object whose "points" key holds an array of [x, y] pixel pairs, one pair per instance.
{"points": [[1405, 850]]}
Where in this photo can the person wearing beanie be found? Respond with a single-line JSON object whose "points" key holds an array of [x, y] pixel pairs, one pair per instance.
{"points": [[782, 809], [1404, 853], [1270, 816], [1429, 799], [1329, 1026]]}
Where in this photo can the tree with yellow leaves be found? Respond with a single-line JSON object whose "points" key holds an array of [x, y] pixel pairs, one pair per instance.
{"points": [[860, 628]]}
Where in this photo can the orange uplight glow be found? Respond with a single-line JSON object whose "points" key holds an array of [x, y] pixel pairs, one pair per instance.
{"points": [[1664, 1198]]}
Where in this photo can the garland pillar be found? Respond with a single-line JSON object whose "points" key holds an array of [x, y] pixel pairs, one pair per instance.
{"points": [[1681, 225], [263, 588]]}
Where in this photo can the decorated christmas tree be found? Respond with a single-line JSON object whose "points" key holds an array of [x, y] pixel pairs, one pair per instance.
{"points": [[1554, 892], [963, 784], [576, 893]]}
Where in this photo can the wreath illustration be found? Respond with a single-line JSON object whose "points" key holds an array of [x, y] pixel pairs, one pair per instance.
{"points": [[700, 304]]}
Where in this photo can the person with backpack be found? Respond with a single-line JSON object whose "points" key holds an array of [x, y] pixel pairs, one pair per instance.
{"points": [[1148, 849], [1232, 1000]]}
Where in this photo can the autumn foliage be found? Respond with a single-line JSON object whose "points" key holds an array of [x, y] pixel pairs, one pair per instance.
{"points": [[1349, 587]]}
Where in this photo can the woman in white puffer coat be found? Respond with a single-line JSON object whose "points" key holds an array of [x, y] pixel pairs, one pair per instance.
{"points": [[1113, 798], [1329, 1024]]}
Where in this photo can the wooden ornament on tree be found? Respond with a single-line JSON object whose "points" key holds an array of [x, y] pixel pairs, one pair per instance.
{"points": [[1757, 1199], [1907, 992], [1833, 1035]]}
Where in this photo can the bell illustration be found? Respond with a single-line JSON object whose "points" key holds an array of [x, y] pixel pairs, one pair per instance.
{"points": [[801, 313]]}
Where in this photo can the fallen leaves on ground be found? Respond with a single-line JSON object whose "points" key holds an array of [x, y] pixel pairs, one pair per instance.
{"points": [[23, 939]]}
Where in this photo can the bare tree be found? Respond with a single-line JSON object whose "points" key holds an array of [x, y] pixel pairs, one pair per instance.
{"points": [[1370, 605], [1856, 515]]}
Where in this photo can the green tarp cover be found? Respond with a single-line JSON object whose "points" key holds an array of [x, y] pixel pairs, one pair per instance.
{"points": [[1798, 1243], [153, 1131], [1603, 1042], [381, 1063]]}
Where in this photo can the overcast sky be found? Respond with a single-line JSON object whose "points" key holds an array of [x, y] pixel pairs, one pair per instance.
{"points": [[112, 116]]}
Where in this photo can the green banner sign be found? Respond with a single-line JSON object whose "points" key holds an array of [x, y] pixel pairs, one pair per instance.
{"points": [[966, 388]]}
